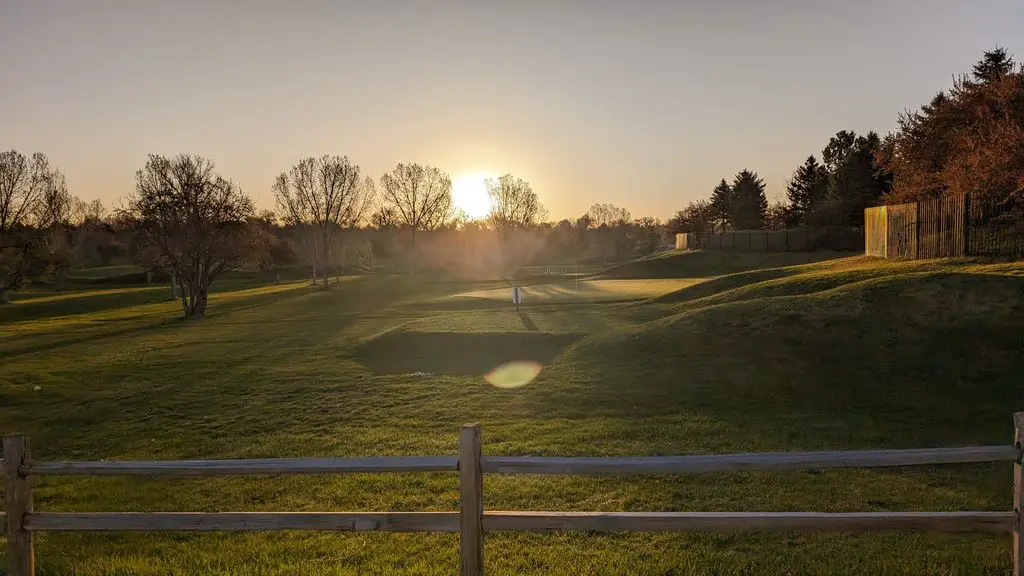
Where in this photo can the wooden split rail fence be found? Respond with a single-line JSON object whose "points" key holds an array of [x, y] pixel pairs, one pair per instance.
{"points": [[471, 522]]}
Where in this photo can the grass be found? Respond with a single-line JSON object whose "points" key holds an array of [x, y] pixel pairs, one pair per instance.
{"points": [[687, 264], [736, 355]]}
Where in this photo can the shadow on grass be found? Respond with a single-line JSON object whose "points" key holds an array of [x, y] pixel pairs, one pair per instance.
{"points": [[91, 337], [459, 353], [72, 304], [528, 322], [150, 324]]}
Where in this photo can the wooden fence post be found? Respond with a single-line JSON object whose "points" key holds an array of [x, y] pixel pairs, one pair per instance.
{"points": [[471, 502], [18, 502], [1018, 495]]}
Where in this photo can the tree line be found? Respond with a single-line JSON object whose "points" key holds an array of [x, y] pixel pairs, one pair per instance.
{"points": [[968, 139], [191, 224], [186, 221]]}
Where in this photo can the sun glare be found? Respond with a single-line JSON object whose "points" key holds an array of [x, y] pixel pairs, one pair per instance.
{"points": [[469, 193]]}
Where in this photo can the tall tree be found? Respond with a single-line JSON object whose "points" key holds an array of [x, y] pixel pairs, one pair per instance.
{"points": [[327, 193], [24, 184], [514, 207], [995, 64], [23, 181], [54, 215], [190, 222], [514, 204], [806, 189], [856, 181], [839, 148], [721, 204], [56, 206], [749, 201], [421, 196]]}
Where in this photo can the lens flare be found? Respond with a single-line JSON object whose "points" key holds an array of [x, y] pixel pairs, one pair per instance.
{"points": [[513, 374]]}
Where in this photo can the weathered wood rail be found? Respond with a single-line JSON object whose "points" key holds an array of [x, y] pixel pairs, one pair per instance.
{"points": [[19, 521]]}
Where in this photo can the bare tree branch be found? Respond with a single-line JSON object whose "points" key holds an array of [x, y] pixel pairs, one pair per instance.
{"points": [[420, 195], [326, 193], [189, 222]]}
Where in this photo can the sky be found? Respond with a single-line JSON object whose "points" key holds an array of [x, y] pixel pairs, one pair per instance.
{"points": [[644, 104]]}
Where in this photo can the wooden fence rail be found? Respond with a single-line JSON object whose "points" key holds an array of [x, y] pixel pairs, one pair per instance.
{"points": [[19, 521]]}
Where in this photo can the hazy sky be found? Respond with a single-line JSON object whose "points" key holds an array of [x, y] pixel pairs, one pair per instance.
{"points": [[644, 104]]}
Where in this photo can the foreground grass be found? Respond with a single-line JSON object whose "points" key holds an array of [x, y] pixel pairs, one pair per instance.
{"points": [[847, 353]]}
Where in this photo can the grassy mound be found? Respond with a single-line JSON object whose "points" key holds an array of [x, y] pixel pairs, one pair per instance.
{"points": [[702, 264], [803, 279], [937, 347]]}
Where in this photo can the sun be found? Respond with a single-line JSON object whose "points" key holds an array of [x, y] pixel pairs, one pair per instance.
{"points": [[469, 193]]}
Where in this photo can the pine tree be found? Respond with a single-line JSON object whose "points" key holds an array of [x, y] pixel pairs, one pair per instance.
{"points": [[839, 148], [749, 202], [721, 203], [857, 182], [993, 65], [806, 189]]}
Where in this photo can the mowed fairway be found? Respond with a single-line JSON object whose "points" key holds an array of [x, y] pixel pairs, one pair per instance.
{"points": [[729, 356]]}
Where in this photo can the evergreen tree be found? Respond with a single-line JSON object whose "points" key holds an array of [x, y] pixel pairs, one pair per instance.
{"points": [[806, 189], [749, 202], [993, 65], [839, 148], [721, 204], [857, 181]]}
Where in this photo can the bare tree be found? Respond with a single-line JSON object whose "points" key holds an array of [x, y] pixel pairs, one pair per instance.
{"points": [[421, 196], [23, 183], [608, 215], [83, 212], [55, 206], [326, 193], [189, 222], [385, 218], [514, 206]]}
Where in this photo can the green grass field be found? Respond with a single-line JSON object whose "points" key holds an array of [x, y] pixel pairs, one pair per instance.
{"points": [[687, 353]]}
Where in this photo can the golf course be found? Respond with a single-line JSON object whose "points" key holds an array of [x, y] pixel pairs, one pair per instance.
{"points": [[682, 353]]}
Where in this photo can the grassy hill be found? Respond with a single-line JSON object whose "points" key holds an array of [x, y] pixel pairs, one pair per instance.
{"points": [[688, 264], [734, 353]]}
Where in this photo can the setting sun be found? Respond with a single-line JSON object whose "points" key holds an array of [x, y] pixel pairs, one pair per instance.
{"points": [[469, 193]]}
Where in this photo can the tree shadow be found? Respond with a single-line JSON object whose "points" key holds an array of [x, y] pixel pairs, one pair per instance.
{"points": [[157, 323]]}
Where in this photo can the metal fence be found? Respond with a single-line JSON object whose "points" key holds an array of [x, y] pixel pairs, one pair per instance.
{"points": [[20, 521], [788, 240], [950, 226]]}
